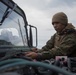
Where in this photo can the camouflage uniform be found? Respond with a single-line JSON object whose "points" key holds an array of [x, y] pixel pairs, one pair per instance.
{"points": [[62, 44]]}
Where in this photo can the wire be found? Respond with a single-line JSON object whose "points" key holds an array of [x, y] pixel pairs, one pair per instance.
{"points": [[36, 64], [5, 62]]}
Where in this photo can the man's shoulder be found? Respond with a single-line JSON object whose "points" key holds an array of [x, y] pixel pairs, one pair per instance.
{"points": [[71, 35]]}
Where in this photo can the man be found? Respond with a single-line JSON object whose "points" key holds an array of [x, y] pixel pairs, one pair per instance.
{"points": [[62, 43]]}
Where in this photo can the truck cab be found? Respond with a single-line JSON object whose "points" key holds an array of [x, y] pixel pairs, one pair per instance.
{"points": [[14, 24], [14, 28]]}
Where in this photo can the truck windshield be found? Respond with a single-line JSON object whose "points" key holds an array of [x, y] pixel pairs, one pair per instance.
{"points": [[12, 28]]}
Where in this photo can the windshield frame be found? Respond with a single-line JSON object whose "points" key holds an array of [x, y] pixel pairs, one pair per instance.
{"points": [[14, 7]]}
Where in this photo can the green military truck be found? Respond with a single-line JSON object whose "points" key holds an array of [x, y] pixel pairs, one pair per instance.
{"points": [[15, 32], [17, 37]]}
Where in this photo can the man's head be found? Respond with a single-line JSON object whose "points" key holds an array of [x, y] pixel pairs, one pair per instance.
{"points": [[59, 21]]}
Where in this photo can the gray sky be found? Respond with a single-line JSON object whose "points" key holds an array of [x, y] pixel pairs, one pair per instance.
{"points": [[39, 13]]}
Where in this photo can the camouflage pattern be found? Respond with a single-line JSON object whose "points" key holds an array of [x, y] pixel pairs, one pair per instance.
{"points": [[63, 44]]}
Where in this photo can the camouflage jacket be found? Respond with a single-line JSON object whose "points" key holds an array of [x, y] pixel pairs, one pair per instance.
{"points": [[63, 44]]}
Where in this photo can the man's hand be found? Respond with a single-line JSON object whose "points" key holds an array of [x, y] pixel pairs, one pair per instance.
{"points": [[34, 49], [33, 55]]}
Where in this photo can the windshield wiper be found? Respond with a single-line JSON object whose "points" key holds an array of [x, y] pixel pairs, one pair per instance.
{"points": [[7, 13], [4, 16]]}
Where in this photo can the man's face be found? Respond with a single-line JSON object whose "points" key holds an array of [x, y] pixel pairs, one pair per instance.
{"points": [[58, 26]]}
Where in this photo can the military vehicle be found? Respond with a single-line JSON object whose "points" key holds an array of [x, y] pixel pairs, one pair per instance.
{"points": [[17, 37]]}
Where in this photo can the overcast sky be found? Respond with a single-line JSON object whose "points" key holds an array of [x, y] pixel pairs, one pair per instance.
{"points": [[39, 13]]}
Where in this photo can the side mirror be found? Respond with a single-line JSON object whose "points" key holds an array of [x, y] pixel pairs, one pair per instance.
{"points": [[32, 36]]}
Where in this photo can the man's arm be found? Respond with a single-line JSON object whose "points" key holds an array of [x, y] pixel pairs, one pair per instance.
{"points": [[66, 48], [49, 44]]}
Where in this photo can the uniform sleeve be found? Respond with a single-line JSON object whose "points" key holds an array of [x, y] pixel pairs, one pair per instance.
{"points": [[66, 48], [49, 44]]}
